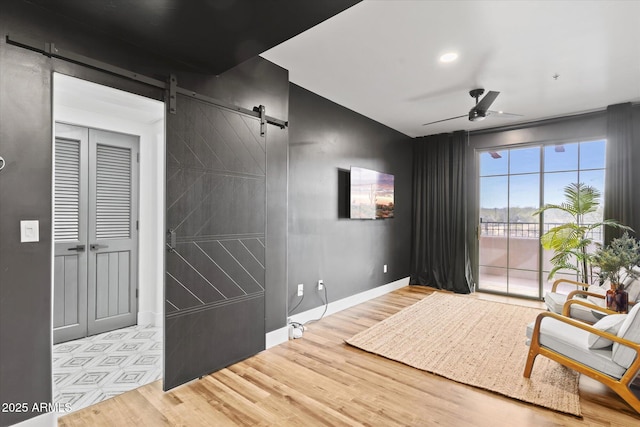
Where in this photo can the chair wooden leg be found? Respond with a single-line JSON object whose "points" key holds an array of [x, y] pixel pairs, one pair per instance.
{"points": [[529, 365], [627, 395]]}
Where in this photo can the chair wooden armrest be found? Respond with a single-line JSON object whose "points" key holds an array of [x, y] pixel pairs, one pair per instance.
{"points": [[554, 287], [585, 293], [566, 308]]}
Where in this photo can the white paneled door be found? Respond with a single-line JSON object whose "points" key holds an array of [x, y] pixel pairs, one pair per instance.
{"points": [[95, 231]]}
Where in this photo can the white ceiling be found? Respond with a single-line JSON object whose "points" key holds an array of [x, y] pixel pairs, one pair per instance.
{"points": [[380, 59]]}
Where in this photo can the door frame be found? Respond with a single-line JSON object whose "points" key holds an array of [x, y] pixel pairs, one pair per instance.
{"points": [[473, 179], [538, 256], [150, 309]]}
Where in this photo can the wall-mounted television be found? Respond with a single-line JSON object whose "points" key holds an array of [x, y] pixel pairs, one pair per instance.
{"points": [[371, 194]]}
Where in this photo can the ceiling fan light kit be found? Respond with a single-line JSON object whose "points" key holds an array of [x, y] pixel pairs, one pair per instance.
{"points": [[476, 116]]}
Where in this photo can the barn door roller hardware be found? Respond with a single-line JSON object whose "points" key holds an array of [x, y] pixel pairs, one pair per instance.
{"points": [[263, 119]]}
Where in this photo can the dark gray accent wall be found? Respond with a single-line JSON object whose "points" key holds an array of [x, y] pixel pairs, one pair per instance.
{"points": [[325, 140], [25, 268], [25, 184]]}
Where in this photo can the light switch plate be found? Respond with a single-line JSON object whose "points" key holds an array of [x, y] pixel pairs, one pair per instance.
{"points": [[30, 231]]}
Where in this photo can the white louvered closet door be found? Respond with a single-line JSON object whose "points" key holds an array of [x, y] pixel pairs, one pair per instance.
{"points": [[95, 231], [113, 234], [70, 233]]}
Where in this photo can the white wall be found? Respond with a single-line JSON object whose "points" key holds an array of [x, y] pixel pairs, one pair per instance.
{"points": [[87, 112]]}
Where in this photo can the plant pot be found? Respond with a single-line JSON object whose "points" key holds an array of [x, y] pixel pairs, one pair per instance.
{"points": [[617, 299]]}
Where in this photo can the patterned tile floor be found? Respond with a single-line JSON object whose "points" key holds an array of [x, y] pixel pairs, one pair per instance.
{"points": [[93, 369]]}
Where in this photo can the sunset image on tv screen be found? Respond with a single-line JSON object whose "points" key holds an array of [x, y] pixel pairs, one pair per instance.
{"points": [[371, 194]]}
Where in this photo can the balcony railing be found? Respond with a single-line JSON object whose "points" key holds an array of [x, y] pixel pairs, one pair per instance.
{"points": [[527, 230]]}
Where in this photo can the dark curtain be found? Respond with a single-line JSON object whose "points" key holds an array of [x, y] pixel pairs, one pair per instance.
{"points": [[439, 251], [622, 179]]}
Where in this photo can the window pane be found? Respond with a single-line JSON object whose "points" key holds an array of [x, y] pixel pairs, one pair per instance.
{"points": [[523, 282], [524, 197], [592, 154], [523, 258], [595, 178], [494, 192], [494, 162], [561, 157], [524, 160], [494, 197], [493, 279], [554, 184]]}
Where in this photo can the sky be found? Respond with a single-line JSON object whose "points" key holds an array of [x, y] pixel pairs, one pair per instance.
{"points": [[562, 164]]}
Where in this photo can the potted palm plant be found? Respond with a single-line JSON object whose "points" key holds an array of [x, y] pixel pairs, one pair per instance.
{"points": [[616, 263], [571, 241]]}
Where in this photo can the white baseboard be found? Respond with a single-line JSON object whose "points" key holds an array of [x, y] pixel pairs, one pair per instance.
{"points": [[276, 337], [150, 318], [282, 335], [49, 419]]}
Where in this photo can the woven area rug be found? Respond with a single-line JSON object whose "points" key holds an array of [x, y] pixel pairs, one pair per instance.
{"points": [[475, 342]]}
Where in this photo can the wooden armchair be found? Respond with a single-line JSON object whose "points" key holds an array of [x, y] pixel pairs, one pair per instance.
{"points": [[578, 303], [571, 343], [574, 303]]}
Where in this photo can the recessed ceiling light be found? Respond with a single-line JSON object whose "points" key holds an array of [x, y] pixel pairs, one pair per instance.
{"points": [[449, 57]]}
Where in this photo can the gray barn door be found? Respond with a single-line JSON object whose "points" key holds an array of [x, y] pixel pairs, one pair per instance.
{"points": [[214, 284], [95, 233]]}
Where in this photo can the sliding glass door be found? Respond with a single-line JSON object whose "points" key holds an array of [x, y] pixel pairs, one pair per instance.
{"points": [[509, 233], [513, 184]]}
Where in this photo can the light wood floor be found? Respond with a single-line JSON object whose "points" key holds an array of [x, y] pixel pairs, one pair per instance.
{"points": [[319, 380]]}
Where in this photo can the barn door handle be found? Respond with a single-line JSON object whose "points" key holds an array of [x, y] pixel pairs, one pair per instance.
{"points": [[171, 244], [79, 248], [95, 247]]}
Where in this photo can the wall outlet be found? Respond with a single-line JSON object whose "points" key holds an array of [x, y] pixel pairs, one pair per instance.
{"points": [[320, 284], [300, 289], [384, 268]]}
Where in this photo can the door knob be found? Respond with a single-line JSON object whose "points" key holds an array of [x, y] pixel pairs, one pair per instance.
{"points": [[96, 246], [79, 248]]}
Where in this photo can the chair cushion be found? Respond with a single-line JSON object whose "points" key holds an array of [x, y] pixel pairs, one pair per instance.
{"points": [[573, 343], [555, 301], [611, 324], [595, 300], [630, 330], [632, 286]]}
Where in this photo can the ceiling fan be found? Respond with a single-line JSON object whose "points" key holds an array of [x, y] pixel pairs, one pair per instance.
{"points": [[481, 110]]}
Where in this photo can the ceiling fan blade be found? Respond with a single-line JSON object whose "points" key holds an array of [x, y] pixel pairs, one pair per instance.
{"points": [[444, 120], [486, 102], [500, 114]]}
